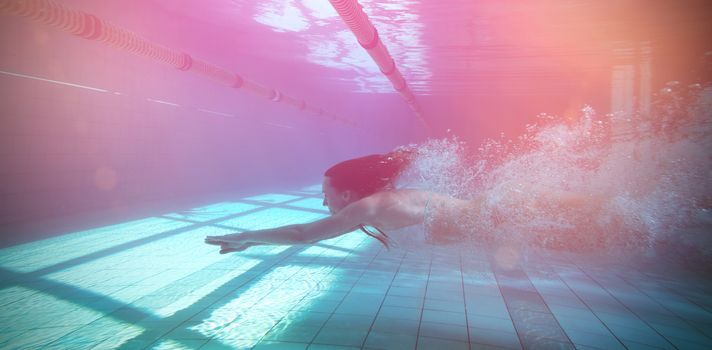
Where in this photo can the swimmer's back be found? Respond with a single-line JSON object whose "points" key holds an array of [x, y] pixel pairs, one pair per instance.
{"points": [[406, 207]]}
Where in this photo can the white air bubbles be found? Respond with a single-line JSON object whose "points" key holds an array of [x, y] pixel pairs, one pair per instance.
{"points": [[618, 183]]}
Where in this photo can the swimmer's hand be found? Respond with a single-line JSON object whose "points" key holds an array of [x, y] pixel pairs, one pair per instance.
{"points": [[229, 243]]}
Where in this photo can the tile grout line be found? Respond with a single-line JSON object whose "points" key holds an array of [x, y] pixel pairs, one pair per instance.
{"points": [[506, 305], [619, 302], [256, 277], [422, 308], [595, 314], [548, 309], [658, 302], [140, 241], [654, 300], [342, 300], [588, 308], [201, 225], [370, 327], [331, 270], [464, 300]]}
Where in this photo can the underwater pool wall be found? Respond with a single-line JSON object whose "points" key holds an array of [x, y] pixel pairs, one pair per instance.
{"points": [[87, 126]]}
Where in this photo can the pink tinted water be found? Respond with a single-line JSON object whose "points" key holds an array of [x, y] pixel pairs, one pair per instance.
{"points": [[612, 183]]}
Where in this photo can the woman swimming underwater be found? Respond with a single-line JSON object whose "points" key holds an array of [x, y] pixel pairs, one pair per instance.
{"points": [[360, 194]]}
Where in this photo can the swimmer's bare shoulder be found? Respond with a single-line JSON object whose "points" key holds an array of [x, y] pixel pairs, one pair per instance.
{"points": [[362, 209], [391, 209], [395, 209]]}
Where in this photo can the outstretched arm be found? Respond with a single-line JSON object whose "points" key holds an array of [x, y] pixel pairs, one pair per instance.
{"points": [[329, 227], [343, 222]]}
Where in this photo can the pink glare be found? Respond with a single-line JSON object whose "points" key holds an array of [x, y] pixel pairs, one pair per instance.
{"points": [[152, 99]]}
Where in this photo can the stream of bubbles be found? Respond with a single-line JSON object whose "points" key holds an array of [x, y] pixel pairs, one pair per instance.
{"points": [[613, 183]]}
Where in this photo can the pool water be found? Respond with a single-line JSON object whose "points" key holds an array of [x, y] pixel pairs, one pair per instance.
{"points": [[152, 283]]}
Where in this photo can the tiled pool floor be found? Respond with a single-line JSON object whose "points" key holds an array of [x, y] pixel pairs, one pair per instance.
{"points": [[152, 283]]}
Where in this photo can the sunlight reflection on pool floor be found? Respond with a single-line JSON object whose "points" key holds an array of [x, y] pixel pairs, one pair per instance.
{"points": [[152, 283]]}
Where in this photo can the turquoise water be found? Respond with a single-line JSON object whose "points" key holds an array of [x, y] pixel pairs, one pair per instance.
{"points": [[130, 283], [152, 283]]}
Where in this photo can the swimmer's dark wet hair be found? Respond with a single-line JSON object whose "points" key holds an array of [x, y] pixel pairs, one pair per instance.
{"points": [[370, 174]]}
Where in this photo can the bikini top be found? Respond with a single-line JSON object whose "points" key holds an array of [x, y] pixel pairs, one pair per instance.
{"points": [[382, 236], [379, 235]]}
